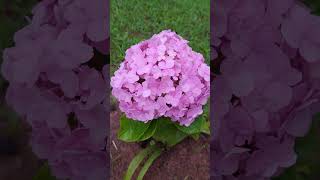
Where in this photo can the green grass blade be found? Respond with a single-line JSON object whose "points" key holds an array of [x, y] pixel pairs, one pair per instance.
{"points": [[149, 162], [137, 160]]}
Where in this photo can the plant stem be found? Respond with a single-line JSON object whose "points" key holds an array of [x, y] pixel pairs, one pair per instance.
{"points": [[149, 162], [137, 160]]}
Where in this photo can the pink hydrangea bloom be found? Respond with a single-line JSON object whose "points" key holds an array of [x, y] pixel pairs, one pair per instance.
{"points": [[162, 76]]}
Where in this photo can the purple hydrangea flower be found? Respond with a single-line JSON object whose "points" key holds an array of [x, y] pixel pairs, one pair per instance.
{"points": [[162, 76]]}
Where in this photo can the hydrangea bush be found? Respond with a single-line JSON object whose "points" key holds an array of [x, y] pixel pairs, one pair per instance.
{"points": [[266, 88], [162, 76], [162, 87], [58, 87]]}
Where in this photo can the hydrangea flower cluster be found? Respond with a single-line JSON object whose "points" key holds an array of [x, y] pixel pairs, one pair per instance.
{"points": [[162, 76], [268, 86], [58, 87]]}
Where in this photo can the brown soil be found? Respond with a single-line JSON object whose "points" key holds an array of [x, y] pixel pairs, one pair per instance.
{"points": [[188, 160]]}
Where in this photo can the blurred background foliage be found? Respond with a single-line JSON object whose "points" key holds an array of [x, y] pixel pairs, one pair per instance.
{"points": [[314, 5], [308, 151], [16, 157], [13, 15], [308, 147]]}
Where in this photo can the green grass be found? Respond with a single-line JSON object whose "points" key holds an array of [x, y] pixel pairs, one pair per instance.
{"points": [[132, 21]]}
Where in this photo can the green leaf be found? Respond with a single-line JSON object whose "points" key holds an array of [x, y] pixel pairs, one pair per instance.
{"points": [[150, 131], [131, 130], [162, 129], [200, 125], [44, 173], [195, 127], [137, 160], [149, 162], [168, 133], [206, 127], [195, 136]]}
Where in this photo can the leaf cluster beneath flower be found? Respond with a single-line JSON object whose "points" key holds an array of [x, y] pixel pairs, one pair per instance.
{"points": [[162, 129]]}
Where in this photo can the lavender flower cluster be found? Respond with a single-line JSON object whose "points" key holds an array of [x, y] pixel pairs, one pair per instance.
{"points": [[57, 89], [162, 76], [267, 89]]}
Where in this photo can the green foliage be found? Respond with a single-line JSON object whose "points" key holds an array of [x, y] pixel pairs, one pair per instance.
{"points": [[149, 162], [132, 131], [12, 18], [150, 131], [151, 153], [168, 133], [162, 129], [194, 128], [132, 21], [308, 162], [195, 136], [44, 173], [136, 161], [200, 125]]}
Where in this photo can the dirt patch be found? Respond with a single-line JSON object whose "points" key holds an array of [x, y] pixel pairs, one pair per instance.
{"points": [[188, 160]]}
